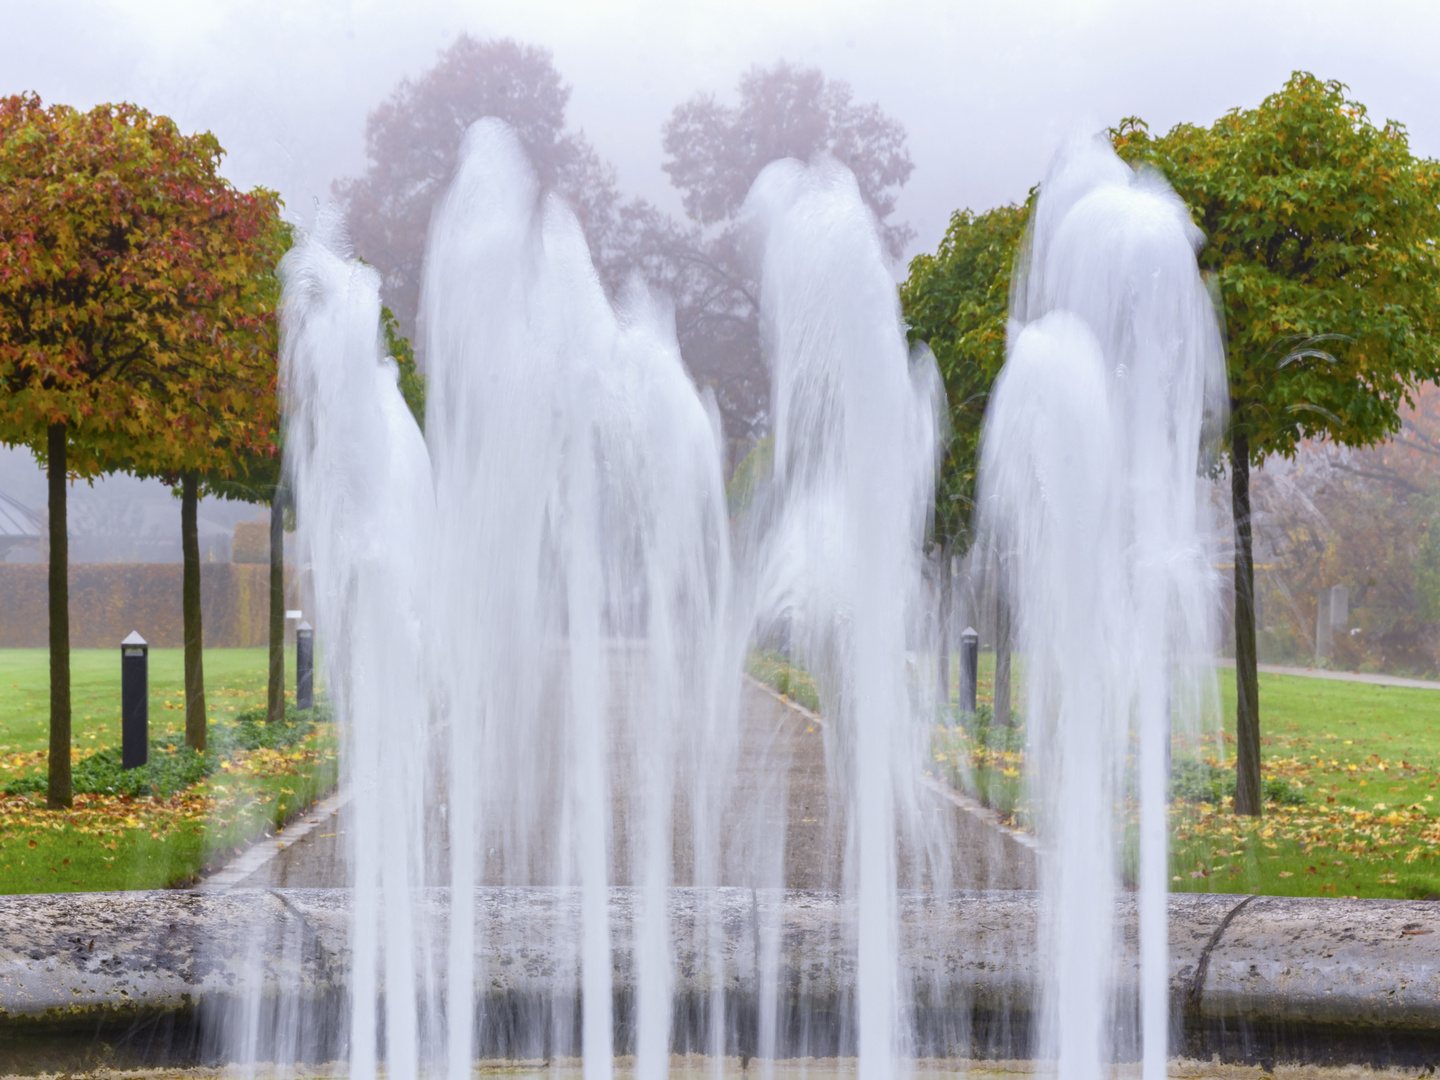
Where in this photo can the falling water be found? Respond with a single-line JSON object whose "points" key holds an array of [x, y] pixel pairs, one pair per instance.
{"points": [[535, 627], [856, 426], [581, 553], [1091, 476]]}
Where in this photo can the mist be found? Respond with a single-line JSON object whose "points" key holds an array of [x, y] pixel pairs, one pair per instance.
{"points": [[985, 92]]}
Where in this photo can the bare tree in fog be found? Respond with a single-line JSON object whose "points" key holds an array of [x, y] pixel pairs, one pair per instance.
{"points": [[413, 138], [715, 152]]}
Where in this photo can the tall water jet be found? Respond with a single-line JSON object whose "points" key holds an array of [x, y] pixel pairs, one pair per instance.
{"points": [[581, 556], [856, 426], [1091, 497], [535, 637], [526, 642], [363, 477]]}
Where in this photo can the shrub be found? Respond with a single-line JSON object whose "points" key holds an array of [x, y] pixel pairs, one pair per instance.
{"points": [[173, 766], [1203, 781]]}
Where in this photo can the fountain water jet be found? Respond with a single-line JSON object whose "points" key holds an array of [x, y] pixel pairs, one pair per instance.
{"points": [[578, 553], [856, 431], [1091, 495], [536, 627]]}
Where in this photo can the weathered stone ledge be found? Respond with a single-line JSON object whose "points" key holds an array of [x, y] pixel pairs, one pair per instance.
{"points": [[172, 976]]}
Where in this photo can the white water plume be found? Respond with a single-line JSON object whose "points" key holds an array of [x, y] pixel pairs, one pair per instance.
{"points": [[530, 643], [362, 474], [583, 547], [856, 431], [535, 634], [1091, 497]]}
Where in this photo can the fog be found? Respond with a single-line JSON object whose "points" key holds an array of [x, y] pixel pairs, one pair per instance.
{"points": [[985, 90]]}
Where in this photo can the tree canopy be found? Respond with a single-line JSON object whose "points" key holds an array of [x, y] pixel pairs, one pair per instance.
{"points": [[957, 302], [136, 294], [714, 153], [413, 140], [1321, 231]]}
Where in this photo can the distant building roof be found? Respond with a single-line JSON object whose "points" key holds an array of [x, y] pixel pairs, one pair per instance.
{"points": [[18, 521]]}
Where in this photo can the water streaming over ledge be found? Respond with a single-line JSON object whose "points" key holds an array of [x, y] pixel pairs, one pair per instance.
{"points": [[1093, 504], [536, 617]]}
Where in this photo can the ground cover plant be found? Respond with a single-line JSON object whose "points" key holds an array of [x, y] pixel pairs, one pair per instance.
{"points": [[1350, 774], [165, 824], [1349, 778], [784, 677]]}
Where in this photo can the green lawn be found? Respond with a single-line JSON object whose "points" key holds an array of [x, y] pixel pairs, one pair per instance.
{"points": [[1364, 758], [115, 842], [235, 680]]}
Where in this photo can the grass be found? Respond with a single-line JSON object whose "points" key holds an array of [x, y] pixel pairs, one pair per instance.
{"points": [[1351, 774], [781, 675], [1362, 761], [124, 841]]}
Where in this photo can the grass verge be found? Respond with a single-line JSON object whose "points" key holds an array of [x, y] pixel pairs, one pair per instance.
{"points": [[1361, 762], [117, 836]]}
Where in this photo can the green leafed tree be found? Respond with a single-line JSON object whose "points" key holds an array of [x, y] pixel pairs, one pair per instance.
{"points": [[957, 302], [1321, 230]]}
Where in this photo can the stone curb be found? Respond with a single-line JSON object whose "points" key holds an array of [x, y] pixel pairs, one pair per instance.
{"points": [[263, 851], [1252, 979]]}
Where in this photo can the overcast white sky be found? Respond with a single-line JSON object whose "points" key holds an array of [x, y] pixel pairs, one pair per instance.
{"points": [[984, 89]]}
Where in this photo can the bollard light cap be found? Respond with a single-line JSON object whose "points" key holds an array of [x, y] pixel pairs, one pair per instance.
{"points": [[304, 628], [134, 639], [969, 634]]}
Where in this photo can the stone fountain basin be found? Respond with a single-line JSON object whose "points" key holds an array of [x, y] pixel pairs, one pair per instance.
{"points": [[157, 977]]}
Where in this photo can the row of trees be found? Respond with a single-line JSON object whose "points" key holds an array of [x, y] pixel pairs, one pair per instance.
{"points": [[137, 294], [1321, 230], [714, 151], [137, 334]]}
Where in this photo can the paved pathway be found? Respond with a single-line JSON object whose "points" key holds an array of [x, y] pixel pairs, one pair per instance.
{"points": [[1342, 676], [781, 790]]}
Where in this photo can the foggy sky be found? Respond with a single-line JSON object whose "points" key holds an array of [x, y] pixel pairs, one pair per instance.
{"points": [[985, 90]]}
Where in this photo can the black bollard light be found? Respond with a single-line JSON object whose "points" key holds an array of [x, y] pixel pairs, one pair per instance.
{"points": [[304, 666], [134, 702], [969, 667]]}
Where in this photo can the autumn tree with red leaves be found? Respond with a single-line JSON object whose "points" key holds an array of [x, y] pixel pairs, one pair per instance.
{"points": [[136, 327]]}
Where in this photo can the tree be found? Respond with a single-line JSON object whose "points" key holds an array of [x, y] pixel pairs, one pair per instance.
{"points": [[715, 152], [257, 477], [1361, 518], [957, 302], [413, 140], [1321, 231], [133, 332]]}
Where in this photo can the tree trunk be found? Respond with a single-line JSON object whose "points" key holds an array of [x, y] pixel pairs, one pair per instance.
{"points": [[945, 616], [1247, 679], [275, 700], [1003, 646], [194, 663], [59, 794]]}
